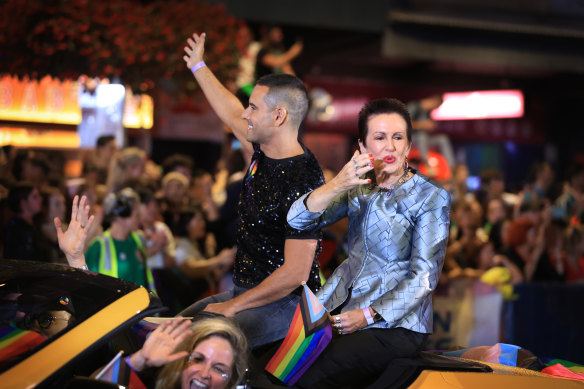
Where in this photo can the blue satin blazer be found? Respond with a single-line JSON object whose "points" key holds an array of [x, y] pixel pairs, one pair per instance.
{"points": [[396, 244]]}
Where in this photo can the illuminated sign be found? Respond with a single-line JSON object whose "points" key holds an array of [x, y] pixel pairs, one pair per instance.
{"points": [[53, 101], [480, 105], [23, 137]]}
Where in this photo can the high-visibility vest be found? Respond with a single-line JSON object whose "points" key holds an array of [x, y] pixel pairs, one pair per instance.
{"points": [[108, 263]]}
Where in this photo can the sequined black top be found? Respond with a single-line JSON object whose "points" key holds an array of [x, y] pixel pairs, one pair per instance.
{"points": [[269, 188]]}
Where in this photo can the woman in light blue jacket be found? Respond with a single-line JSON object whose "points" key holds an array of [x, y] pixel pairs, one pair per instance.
{"points": [[380, 297]]}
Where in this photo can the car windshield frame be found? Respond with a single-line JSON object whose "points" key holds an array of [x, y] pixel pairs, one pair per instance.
{"points": [[26, 286]]}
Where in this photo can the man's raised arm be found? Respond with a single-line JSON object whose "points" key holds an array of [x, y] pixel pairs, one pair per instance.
{"points": [[225, 104]]}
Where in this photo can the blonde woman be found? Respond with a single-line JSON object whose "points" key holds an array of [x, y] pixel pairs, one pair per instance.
{"points": [[209, 353]]}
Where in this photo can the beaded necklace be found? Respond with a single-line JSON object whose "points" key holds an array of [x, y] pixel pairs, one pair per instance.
{"points": [[397, 184]]}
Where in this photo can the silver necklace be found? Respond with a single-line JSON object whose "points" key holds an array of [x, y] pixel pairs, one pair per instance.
{"points": [[396, 184]]}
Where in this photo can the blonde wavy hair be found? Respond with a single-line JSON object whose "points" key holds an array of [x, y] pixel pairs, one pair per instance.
{"points": [[226, 328]]}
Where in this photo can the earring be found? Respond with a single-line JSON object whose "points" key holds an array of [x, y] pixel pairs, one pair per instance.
{"points": [[406, 165]]}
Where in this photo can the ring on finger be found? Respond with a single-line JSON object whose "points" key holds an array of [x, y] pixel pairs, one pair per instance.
{"points": [[337, 319], [355, 161]]}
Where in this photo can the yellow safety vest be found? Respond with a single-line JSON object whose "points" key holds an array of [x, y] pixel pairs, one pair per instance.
{"points": [[108, 263]]}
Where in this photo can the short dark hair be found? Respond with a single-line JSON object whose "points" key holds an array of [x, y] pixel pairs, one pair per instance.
{"points": [[19, 191], [146, 195], [175, 160], [381, 106], [104, 140], [119, 204], [42, 162], [288, 91]]}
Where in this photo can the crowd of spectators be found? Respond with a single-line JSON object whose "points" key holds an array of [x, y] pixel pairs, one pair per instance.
{"points": [[168, 216], [185, 219]]}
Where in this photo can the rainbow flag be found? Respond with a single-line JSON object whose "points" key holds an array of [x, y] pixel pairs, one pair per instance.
{"points": [[14, 341], [310, 332], [118, 372]]}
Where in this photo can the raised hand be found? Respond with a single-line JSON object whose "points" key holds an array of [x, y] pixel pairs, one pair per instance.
{"points": [[72, 241], [195, 49], [159, 348]]}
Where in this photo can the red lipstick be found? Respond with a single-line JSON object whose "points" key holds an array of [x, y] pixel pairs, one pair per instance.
{"points": [[389, 159]]}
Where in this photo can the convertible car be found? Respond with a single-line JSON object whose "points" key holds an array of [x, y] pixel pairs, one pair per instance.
{"points": [[61, 325]]}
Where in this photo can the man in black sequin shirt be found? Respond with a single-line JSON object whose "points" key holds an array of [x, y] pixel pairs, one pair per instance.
{"points": [[272, 258]]}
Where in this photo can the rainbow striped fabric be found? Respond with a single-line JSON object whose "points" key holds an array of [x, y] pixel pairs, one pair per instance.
{"points": [[14, 341], [309, 334]]}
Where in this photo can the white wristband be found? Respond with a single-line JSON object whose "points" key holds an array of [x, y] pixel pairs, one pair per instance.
{"points": [[368, 316], [197, 66]]}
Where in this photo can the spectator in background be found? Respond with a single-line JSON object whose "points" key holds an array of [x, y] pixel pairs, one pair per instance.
{"points": [[462, 253], [537, 188], [460, 190], [121, 250], [274, 57], [36, 169], [224, 228], [202, 271], [173, 196], [160, 245], [496, 211], [179, 163], [99, 159], [423, 125], [569, 206], [492, 187], [128, 164], [247, 63], [21, 239], [574, 262], [202, 194], [53, 206], [526, 249]]}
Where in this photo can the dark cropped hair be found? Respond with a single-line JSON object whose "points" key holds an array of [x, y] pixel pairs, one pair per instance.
{"points": [[104, 140], [381, 106], [288, 91], [19, 191], [177, 160]]}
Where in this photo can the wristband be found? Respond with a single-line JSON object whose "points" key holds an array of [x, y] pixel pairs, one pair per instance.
{"points": [[197, 66], [368, 316], [127, 360]]}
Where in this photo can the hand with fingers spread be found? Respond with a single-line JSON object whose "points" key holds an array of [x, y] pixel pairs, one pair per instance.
{"points": [[195, 49], [72, 241], [159, 348]]}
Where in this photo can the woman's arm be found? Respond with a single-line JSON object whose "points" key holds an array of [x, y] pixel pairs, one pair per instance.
{"points": [[348, 178]]}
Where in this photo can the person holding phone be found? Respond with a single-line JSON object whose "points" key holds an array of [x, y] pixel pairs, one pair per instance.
{"points": [[380, 297]]}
